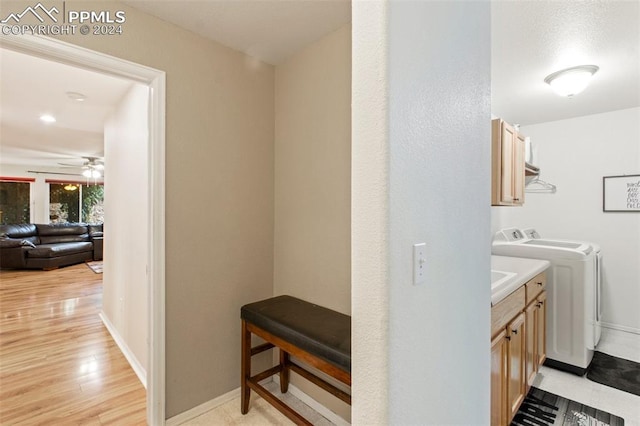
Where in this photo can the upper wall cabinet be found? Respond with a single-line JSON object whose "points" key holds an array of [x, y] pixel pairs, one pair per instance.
{"points": [[507, 165]]}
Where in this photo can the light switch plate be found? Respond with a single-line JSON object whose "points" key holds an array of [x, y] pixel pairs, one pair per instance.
{"points": [[419, 263]]}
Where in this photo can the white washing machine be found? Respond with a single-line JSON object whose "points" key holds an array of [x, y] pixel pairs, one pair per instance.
{"points": [[594, 315], [574, 282]]}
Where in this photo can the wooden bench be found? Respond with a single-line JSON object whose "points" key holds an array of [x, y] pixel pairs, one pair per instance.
{"points": [[312, 334]]}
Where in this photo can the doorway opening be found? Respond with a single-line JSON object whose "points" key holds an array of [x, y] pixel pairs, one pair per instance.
{"points": [[154, 82]]}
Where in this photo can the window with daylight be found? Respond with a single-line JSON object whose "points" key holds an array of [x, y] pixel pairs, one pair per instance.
{"points": [[15, 202], [75, 202]]}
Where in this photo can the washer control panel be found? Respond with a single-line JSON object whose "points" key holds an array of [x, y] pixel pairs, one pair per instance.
{"points": [[531, 233], [510, 235]]}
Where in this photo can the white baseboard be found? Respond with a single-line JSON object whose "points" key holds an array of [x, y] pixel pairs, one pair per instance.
{"points": [[202, 408], [128, 354], [319, 408], [620, 328]]}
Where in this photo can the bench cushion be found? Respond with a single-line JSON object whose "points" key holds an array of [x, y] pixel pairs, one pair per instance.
{"points": [[317, 330]]}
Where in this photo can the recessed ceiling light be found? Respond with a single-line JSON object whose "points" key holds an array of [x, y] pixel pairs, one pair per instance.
{"points": [[571, 81], [48, 118], [76, 96]]}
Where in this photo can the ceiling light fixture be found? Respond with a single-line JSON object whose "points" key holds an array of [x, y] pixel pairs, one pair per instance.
{"points": [[70, 187], [91, 173], [571, 81], [47, 118]]}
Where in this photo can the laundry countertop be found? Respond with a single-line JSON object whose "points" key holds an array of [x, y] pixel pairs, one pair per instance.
{"points": [[524, 269]]}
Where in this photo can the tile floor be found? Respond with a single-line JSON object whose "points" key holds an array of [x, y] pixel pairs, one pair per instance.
{"points": [[623, 404], [261, 413]]}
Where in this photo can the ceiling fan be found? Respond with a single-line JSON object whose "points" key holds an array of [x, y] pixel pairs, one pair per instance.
{"points": [[92, 167]]}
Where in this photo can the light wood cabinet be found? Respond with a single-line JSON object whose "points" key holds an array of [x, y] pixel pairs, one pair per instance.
{"points": [[499, 354], [516, 386], [536, 325], [507, 164], [518, 329], [541, 321], [531, 318], [507, 356]]}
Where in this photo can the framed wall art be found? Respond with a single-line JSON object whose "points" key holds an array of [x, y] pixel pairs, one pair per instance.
{"points": [[621, 193]]}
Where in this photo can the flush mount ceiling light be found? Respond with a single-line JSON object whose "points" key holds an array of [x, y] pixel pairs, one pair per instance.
{"points": [[47, 118], [571, 81]]}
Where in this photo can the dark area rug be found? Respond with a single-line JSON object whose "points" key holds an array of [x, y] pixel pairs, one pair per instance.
{"points": [[542, 408], [615, 372]]}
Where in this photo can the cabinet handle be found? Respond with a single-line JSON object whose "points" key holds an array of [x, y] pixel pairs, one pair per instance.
{"points": [[540, 283], [508, 337], [539, 304], [515, 331]]}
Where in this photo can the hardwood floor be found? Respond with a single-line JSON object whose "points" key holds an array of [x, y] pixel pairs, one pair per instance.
{"points": [[58, 363]]}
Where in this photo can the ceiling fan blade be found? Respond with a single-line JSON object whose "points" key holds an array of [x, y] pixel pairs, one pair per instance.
{"points": [[93, 160], [53, 173], [90, 163], [77, 166]]}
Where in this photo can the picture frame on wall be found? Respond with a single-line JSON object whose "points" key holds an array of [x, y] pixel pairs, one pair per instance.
{"points": [[621, 193]]}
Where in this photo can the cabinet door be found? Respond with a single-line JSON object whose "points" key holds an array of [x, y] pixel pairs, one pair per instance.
{"points": [[499, 379], [507, 165], [531, 325], [508, 145], [518, 169], [541, 329], [515, 364]]}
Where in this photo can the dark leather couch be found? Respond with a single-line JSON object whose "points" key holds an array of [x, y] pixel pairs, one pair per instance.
{"points": [[33, 246]]}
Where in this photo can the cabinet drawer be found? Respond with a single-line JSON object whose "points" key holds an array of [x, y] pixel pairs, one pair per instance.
{"points": [[535, 286], [507, 309]]}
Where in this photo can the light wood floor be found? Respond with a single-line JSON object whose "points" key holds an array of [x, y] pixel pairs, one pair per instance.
{"points": [[58, 363]]}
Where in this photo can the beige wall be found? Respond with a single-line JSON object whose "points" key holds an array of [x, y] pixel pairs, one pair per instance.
{"points": [[370, 214], [219, 194], [125, 290], [312, 255], [313, 173]]}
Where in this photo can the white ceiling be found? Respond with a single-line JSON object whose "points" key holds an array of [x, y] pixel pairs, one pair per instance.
{"points": [[30, 87], [270, 30], [530, 39]]}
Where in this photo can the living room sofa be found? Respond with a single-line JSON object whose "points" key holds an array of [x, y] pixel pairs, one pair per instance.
{"points": [[34, 246]]}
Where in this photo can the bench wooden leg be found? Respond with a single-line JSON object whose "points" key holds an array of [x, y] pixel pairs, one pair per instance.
{"points": [[284, 368], [245, 368], [284, 371]]}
